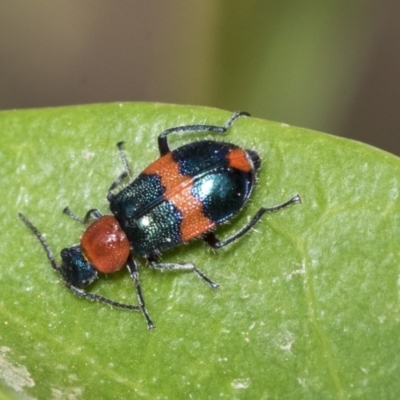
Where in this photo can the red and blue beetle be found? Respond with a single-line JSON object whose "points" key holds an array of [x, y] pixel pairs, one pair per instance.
{"points": [[183, 195]]}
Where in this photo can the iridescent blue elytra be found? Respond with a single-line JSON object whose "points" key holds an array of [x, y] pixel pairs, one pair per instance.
{"points": [[205, 171], [183, 195]]}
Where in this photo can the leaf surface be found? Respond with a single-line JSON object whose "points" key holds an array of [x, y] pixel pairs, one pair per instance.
{"points": [[309, 300]]}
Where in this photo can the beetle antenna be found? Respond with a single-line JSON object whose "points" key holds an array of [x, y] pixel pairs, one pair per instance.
{"points": [[42, 241]]}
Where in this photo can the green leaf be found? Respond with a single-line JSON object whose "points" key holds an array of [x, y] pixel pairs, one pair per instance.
{"points": [[309, 300]]}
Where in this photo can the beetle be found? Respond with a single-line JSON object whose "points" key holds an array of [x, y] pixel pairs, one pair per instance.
{"points": [[183, 195]]}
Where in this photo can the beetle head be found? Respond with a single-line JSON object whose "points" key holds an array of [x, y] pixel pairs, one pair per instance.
{"points": [[75, 269]]}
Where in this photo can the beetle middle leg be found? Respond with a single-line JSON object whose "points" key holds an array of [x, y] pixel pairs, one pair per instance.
{"points": [[215, 243], [181, 267], [162, 138]]}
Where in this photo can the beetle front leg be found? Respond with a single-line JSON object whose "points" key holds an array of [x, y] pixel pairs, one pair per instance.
{"points": [[131, 265], [124, 175], [96, 297], [93, 213]]}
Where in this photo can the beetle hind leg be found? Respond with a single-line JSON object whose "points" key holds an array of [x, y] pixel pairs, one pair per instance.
{"points": [[215, 243]]}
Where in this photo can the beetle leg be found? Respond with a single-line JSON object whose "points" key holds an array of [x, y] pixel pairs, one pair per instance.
{"points": [[182, 267], [93, 213], [215, 243], [162, 138], [124, 160], [96, 297], [125, 174], [79, 292], [134, 273]]}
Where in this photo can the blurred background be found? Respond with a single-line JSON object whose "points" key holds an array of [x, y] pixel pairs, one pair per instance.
{"points": [[332, 66]]}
